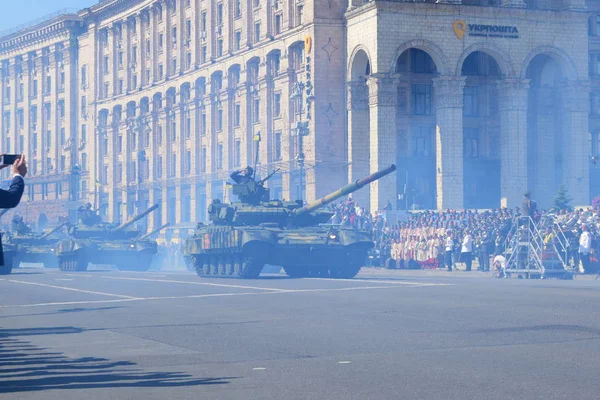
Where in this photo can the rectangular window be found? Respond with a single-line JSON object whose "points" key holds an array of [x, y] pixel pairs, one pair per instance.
{"points": [[219, 156], [106, 65], [174, 36], [237, 153], [257, 32], [161, 71], [188, 60], [422, 142], [35, 88], [188, 161], [299, 15], [159, 167], [174, 64], [277, 105], [471, 143], [120, 60], [188, 125], [203, 124], [203, 55], [161, 42], [134, 82], [120, 86], [256, 111], [119, 144], [148, 48], [277, 24], [84, 76], [63, 137], [238, 8], [220, 14], [134, 56], [277, 146], [237, 115], [238, 40], [203, 22], [203, 161], [61, 109], [83, 139], [84, 164], [421, 99], [173, 169], [188, 29], [471, 101], [106, 89], [219, 120], [219, 47]]}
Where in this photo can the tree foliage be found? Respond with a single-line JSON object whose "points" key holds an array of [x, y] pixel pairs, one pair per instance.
{"points": [[562, 200]]}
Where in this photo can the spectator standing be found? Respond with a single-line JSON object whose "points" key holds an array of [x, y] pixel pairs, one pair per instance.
{"points": [[466, 251], [585, 246], [449, 248]]}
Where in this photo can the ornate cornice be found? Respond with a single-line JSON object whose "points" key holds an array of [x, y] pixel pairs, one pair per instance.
{"points": [[55, 28]]}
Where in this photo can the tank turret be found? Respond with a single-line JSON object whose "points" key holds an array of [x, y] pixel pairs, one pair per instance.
{"points": [[135, 219]]}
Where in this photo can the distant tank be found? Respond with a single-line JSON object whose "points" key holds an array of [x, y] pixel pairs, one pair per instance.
{"points": [[246, 235], [92, 241], [31, 247]]}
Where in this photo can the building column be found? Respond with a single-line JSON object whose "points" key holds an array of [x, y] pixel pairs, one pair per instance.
{"points": [[448, 92], [358, 136], [576, 172], [512, 105], [382, 113]]}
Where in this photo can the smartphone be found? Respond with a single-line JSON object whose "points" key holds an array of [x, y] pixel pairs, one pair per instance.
{"points": [[9, 159]]}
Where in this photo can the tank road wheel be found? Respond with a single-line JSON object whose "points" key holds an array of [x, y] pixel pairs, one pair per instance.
{"points": [[214, 266], [229, 265], [198, 263], [237, 266], [222, 266], [72, 263], [251, 268]]}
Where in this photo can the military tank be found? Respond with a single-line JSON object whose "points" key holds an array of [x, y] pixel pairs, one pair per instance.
{"points": [[106, 243], [254, 231], [30, 247]]}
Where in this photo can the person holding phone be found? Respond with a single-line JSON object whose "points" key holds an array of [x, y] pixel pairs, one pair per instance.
{"points": [[10, 198]]}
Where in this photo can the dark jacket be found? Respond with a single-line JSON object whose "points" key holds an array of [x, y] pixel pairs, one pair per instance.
{"points": [[10, 199]]}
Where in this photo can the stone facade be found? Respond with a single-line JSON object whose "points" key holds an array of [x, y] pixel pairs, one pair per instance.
{"points": [[491, 101], [130, 103]]}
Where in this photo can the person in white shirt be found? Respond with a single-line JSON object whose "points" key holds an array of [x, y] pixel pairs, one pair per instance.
{"points": [[585, 247], [499, 264], [466, 251], [449, 249]]}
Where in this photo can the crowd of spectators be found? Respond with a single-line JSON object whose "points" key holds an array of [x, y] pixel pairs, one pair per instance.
{"points": [[441, 239]]}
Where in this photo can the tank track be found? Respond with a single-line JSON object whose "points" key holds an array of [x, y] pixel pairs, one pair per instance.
{"points": [[339, 272], [227, 266]]}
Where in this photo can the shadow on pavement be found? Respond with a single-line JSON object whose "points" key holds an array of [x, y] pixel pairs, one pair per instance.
{"points": [[25, 367], [63, 311]]}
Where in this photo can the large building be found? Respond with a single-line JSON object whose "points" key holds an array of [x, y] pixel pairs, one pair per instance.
{"points": [[135, 102]]}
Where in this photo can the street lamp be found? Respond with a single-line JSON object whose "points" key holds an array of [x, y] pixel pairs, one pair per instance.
{"points": [[301, 130]]}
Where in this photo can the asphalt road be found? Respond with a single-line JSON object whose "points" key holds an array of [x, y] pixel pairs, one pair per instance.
{"points": [[107, 334]]}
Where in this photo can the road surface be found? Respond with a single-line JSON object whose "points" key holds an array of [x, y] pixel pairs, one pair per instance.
{"points": [[106, 334]]}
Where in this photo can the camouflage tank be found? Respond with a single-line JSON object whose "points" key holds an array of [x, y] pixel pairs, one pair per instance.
{"points": [[246, 235], [92, 241], [30, 247]]}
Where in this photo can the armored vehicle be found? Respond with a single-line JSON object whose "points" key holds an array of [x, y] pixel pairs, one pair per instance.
{"points": [[34, 248], [97, 242], [254, 231]]}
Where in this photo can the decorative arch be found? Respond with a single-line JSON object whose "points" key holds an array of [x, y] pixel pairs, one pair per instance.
{"points": [[567, 65], [156, 102], [144, 104], [492, 50], [234, 76], [439, 58], [360, 59]]}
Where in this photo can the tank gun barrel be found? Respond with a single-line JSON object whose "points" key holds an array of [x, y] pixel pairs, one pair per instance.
{"points": [[147, 235], [45, 235], [135, 219], [353, 187]]}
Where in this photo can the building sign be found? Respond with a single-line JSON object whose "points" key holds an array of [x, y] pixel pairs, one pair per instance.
{"points": [[460, 27]]}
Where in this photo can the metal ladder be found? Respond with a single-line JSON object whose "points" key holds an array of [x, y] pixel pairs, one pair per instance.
{"points": [[528, 257]]}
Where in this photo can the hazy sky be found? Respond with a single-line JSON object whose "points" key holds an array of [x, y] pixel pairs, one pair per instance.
{"points": [[17, 12]]}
